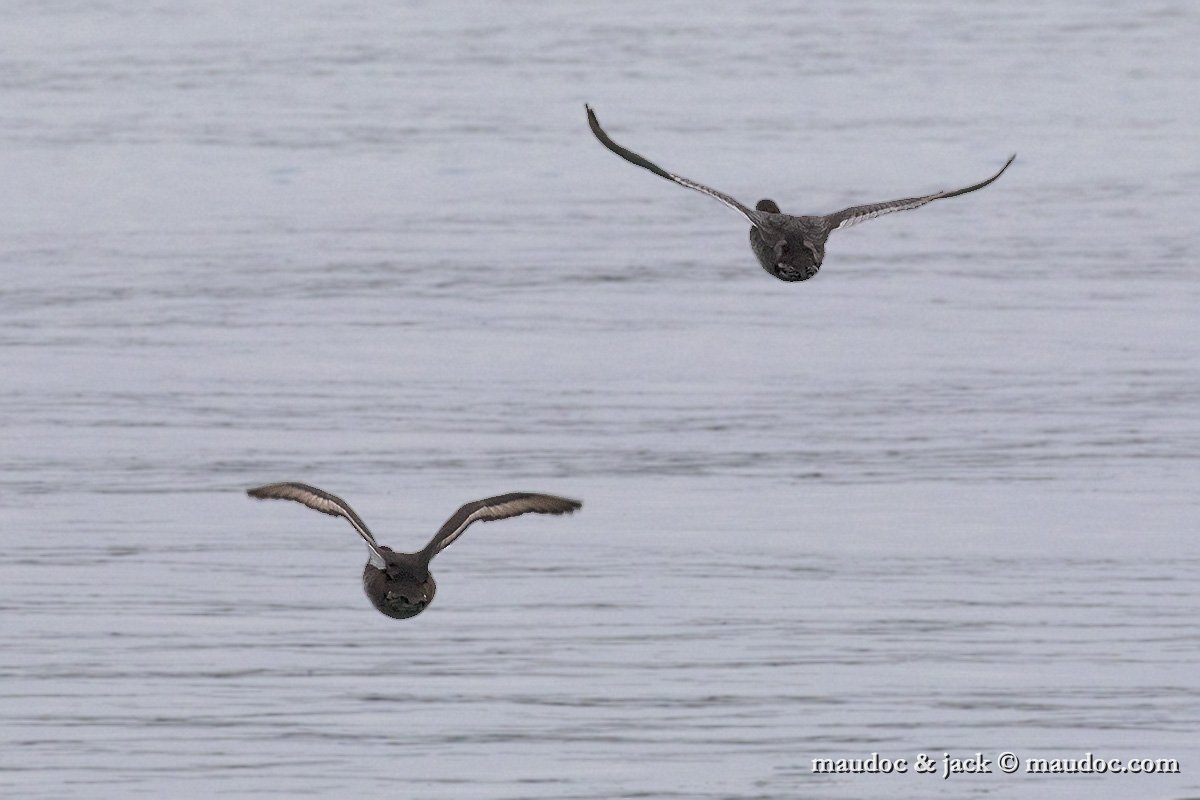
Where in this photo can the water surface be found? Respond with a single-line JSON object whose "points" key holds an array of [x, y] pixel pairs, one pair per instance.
{"points": [[939, 499]]}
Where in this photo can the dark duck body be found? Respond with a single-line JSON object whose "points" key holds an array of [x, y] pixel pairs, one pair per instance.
{"points": [[400, 584], [792, 248]]}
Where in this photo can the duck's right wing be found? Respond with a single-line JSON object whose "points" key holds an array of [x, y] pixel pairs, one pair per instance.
{"points": [[633, 158], [326, 503]]}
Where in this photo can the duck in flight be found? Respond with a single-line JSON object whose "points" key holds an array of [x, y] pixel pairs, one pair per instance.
{"points": [[399, 584], [790, 248]]}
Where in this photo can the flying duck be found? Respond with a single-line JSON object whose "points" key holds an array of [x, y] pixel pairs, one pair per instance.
{"points": [[789, 247], [399, 584]]}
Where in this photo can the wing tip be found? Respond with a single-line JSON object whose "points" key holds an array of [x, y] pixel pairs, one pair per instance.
{"points": [[570, 503], [594, 123], [554, 504], [279, 491]]}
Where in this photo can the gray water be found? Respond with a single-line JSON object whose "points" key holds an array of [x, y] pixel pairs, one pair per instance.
{"points": [[940, 499]]}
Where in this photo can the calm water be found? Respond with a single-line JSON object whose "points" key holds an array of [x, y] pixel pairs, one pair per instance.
{"points": [[939, 499]]}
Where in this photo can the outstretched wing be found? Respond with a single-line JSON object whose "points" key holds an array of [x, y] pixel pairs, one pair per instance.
{"points": [[634, 158], [501, 507], [326, 503], [857, 214]]}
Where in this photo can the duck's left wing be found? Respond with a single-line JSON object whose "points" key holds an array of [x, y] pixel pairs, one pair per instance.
{"points": [[856, 214], [500, 507]]}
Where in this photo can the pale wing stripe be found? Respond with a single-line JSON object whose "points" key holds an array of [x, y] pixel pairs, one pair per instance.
{"points": [[864, 213], [494, 508], [713, 193], [326, 503], [751, 216], [479, 513], [375, 557]]}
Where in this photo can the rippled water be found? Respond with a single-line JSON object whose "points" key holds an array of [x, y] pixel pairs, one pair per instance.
{"points": [[939, 499]]}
